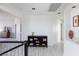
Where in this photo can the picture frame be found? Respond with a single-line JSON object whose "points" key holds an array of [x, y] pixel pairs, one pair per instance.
{"points": [[76, 21]]}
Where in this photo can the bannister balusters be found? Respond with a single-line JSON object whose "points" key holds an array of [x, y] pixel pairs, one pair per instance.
{"points": [[26, 48], [25, 43]]}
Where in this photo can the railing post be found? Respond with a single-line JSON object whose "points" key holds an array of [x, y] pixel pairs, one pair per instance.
{"points": [[26, 48]]}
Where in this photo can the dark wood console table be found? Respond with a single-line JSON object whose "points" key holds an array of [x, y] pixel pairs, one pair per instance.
{"points": [[37, 41]]}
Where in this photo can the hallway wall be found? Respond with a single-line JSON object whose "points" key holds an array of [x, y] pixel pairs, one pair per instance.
{"points": [[70, 47], [41, 25]]}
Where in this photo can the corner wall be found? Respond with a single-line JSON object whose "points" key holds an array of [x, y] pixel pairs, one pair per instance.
{"points": [[70, 47]]}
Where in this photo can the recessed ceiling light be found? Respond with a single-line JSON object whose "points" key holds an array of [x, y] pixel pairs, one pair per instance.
{"points": [[59, 13], [73, 6], [33, 8]]}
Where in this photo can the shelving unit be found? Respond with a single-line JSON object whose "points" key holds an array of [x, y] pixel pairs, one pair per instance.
{"points": [[37, 41]]}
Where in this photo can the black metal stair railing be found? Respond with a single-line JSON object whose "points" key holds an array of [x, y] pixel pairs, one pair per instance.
{"points": [[25, 43]]}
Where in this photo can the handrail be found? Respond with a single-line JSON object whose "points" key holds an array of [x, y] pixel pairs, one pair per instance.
{"points": [[23, 43], [12, 41]]}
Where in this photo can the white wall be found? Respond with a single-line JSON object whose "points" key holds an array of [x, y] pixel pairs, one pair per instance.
{"points": [[41, 25], [6, 19], [70, 48]]}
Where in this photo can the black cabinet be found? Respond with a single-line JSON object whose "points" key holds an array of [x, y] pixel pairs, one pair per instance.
{"points": [[37, 41]]}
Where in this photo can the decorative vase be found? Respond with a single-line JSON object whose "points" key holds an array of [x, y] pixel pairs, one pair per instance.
{"points": [[33, 33]]}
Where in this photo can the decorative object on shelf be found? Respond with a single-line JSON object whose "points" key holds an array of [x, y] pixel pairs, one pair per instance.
{"points": [[76, 21], [8, 32], [5, 33], [5, 29], [33, 33]]}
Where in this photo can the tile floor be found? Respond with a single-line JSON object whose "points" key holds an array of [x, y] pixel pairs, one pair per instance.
{"points": [[55, 50]]}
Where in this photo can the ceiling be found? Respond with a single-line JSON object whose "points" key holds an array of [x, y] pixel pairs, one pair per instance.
{"points": [[54, 7], [26, 8]]}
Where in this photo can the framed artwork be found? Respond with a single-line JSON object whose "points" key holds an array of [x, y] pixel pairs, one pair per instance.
{"points": [[76, 21]]}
